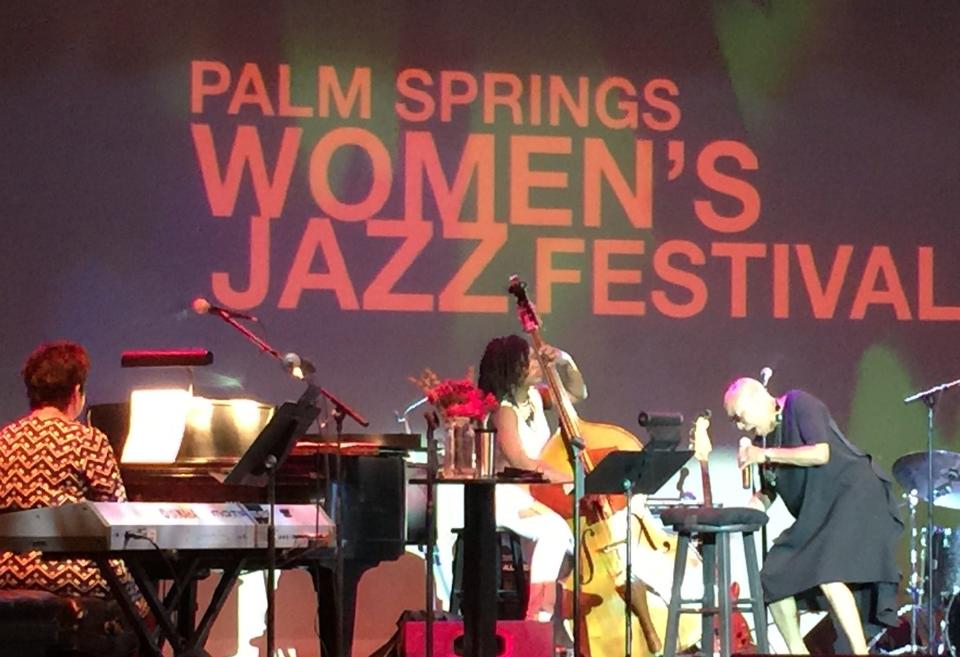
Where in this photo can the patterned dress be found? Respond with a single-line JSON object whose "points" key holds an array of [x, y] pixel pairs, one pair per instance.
{"points": [[48, 462]]}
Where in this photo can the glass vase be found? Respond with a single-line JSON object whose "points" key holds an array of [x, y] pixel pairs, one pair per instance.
{"points": [[458, 448]]}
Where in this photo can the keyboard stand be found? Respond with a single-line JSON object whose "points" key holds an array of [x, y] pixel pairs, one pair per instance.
{"points": [[185, 637]]}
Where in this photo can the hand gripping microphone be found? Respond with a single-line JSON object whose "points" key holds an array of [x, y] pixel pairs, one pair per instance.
{"points": [[746, 474]]}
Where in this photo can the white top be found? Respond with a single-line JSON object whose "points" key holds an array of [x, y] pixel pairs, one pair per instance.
{"points": [[532, 427], [533, 432]]}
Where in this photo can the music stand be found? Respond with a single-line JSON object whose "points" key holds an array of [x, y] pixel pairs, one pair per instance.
{"points": [[626, 473], [258, 467]]}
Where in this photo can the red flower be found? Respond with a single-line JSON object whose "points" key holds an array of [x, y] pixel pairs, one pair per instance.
{"points": [[456, 398]]}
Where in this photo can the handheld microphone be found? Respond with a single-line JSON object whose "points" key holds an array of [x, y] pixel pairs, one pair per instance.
{"points": [[203, 307], [765, 375], [746, 474], [299, 368]]}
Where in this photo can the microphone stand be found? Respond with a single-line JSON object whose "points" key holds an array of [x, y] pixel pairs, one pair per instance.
{"points": [[340, 411], [270, 464], [402, 415], [929, 398], [259, 342], [628, 598], [756, 483], [577, 447], [432, 423]]}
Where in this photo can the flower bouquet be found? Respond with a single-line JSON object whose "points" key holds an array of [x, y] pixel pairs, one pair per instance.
{"points": [[462, 406]]}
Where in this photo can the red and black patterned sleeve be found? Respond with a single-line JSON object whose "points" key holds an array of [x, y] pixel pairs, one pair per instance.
{"points": [[102, 471]]}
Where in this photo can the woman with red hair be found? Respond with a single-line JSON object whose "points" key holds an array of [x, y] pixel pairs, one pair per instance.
{"points": [[48, 458]]}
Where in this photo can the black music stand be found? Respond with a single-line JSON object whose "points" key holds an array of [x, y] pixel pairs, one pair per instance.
{"points": [[258, 467], [273, 444], [626, 473]]}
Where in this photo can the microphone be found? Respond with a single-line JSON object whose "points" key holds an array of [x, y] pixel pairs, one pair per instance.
{"points": [[203, 307], [765, 375], [746, 475], [299, 368]]}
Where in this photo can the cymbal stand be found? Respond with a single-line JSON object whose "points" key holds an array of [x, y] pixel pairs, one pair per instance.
{"points": [[930, 401], [929, 398], [916, 554], [915, 589]]}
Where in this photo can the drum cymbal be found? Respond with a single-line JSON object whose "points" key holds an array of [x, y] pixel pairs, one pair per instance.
{"points": [[910, 471]]}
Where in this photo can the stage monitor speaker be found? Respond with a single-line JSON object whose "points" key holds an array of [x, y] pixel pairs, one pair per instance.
{"points": [[515, 638]]}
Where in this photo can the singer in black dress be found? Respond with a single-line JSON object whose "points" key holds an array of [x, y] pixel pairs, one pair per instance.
{"points": [[841, 549]]}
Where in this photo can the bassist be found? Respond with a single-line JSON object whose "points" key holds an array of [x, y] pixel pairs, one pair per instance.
{"points": [[510, 372]]}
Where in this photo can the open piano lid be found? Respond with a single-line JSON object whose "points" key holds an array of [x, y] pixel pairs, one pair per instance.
{"points": [[164, 426], [167, 426]]}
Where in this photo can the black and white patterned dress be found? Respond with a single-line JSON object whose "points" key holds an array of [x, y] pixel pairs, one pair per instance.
{"points": [[49, 462]]}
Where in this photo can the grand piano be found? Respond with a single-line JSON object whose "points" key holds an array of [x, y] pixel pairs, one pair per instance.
{"points": [[169, 459]]}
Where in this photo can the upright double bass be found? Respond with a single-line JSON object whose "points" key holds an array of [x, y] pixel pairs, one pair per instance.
{"points": [[602, 606]]}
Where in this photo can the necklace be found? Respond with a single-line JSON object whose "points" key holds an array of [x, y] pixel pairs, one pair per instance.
{"points": [[769, 471], [526, 410]]}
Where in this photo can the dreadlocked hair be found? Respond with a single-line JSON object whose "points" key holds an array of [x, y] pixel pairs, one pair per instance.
{"points": [[503, 365]]}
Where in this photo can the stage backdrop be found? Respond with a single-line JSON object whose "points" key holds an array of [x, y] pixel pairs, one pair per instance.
{"points": [[692, 192]]}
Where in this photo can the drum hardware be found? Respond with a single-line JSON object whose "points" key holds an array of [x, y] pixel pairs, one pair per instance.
{"points": [[916, 588], [929, 398], [904, 639], [934, 580], [910, 636], [910, 471]]}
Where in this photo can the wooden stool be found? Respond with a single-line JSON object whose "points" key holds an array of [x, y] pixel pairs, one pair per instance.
{"points": [[712, 527], [512, 593]]}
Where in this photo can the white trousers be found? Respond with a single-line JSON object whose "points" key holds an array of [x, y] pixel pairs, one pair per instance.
{"points": [[552, 541]]}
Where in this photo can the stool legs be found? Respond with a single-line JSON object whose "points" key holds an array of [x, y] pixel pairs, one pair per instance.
{"points": [[756, 593], [519, 575], [456, 590], [673, 610], [723, 592], [708, 605], [716, 602], [511, 602]]}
